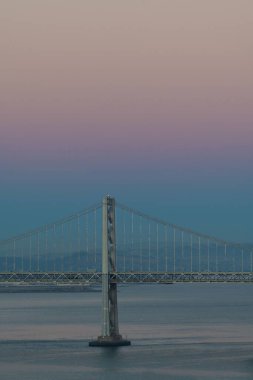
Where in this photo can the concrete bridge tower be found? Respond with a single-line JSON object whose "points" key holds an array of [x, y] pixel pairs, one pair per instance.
{"points": [[110, 335]]}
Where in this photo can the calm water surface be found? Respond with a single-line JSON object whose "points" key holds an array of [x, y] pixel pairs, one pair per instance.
{"points": [[181, 331]]}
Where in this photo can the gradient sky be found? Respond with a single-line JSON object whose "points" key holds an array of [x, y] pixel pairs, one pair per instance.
{"points": [[148, 100]]}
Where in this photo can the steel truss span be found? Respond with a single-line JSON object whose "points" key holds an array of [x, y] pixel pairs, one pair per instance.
{"points": [[124, 277]]}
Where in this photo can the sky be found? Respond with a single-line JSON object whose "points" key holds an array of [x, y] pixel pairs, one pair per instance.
{"points": [[150, 101]]}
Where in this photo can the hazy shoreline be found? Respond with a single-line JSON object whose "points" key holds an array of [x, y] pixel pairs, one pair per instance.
{"points": [[46, 288]]}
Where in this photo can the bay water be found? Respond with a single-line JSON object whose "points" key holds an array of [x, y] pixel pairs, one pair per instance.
{"points": [[179, 331]]}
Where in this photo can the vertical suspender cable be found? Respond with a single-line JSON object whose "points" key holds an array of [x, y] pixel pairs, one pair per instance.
{"points": [[191, 253], [14, 255], [6, 260], [79, 243], [22, 255], [38, 252], [233, 260], [62, 248], [124, 241], [87, 241], [208, 256], [54, 248], [242, 264], [46, 249], [149, 248], [95, 236], [166, 248], [216, 258], [199, 257], [225, 255], [141, 267], [182, 249], [157, 247], [174, 249], [30, 253], [132, 240]]}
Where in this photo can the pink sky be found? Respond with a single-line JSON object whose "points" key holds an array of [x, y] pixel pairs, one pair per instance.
{"points": [[138, 85]]}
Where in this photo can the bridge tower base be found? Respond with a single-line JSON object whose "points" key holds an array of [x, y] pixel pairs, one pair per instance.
{"points": [[110, 336]]}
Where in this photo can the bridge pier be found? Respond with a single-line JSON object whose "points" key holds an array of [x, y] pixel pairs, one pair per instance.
{"points": [[110, 336]]}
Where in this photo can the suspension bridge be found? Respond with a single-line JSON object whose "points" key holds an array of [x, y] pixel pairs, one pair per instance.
{"points": [[148, 250], [82, 249]]}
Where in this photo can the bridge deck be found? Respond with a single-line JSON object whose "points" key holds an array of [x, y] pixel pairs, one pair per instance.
{"points": [[127, 277]]}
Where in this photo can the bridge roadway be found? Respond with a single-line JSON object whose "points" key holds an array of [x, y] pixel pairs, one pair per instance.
{"points": [[124, 277]]}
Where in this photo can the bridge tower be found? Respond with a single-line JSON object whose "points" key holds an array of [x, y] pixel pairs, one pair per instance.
{"points": [[110, 335]]}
